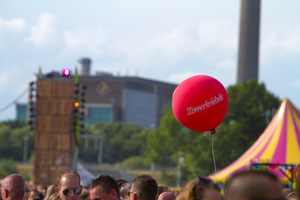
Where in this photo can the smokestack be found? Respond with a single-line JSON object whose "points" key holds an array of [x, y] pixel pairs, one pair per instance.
{"points": [[249, 41], [84, 65]]}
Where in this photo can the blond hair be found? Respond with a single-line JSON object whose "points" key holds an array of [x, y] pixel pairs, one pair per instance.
{"points": [[194, 189]]}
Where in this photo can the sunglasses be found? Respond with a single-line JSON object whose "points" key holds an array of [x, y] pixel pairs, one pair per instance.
{"points": [[67, 191]]}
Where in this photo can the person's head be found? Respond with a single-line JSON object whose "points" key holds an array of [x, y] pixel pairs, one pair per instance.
{"points": [[54, 196], [85, 194], [298, 185], [166, 196], [161, 189], [143, 187], [34, 193], [13, 187], [253, 185], [286, 191], [50, 191], [68, 185], [104, 188], [120, 182], [291, 196], [200, 188], [124, 191], [42, 190], [34, 198]]}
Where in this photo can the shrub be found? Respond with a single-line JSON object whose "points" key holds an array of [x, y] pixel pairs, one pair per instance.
{"points": [[136, 162]]}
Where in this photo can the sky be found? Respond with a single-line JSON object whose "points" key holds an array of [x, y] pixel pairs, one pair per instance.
{"points": [[163, 40]]}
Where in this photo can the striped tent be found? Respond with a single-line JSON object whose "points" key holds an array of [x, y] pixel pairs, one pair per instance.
{"points": [[276, 150]]}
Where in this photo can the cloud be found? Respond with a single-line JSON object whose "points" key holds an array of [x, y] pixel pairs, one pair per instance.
{"points": [[279, 44], [201, 40], [176, 43], [16, 25], [43, 33], [218, 33], [11, 34], [86, 40]]}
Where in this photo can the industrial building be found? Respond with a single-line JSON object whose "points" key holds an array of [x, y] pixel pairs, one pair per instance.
{"points": [[108, 98]]}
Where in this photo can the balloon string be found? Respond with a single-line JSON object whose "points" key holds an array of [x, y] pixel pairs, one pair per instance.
{"points": [[213, 153]]}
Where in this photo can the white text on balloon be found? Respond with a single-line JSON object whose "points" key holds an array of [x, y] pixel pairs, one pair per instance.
{"points": [[213, 101]]}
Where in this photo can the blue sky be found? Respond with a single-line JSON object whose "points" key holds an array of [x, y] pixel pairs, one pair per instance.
{"points": [[156, 39]]}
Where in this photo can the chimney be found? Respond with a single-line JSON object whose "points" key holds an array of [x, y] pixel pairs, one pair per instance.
{"points": [[84, 65], [249, 41]]}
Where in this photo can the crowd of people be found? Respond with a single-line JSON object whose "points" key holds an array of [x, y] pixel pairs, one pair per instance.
{"points": [[244, 185]]}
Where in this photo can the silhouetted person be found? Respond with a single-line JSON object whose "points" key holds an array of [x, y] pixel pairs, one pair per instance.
{"points": [[13, 187], [291, 196], [298, 185], [253, 185], [286, 191]]}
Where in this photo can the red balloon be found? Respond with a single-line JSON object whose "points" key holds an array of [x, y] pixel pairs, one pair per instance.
{"points": [[200, 103]]}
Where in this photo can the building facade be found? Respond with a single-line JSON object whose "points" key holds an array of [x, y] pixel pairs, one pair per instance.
{"points": [[131, 100], [21, 109]]}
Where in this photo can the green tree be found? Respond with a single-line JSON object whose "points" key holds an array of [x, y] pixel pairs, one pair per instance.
{"points": [[7, 167], [12, 134], [163, 143], [168, 179], [251, 107], [121, 141], [136, 162]]}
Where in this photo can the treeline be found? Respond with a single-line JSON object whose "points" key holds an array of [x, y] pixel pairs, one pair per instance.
{"points": [[14, 136], [251, 107]]}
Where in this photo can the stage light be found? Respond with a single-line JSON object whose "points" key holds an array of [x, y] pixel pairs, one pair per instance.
{"points": [[66, 72], [76, 104], [31, 105]]}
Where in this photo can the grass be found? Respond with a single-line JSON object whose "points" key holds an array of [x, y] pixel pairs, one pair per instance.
{"points": [[26, 170]]}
